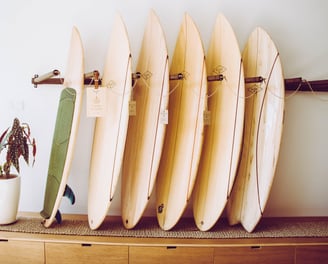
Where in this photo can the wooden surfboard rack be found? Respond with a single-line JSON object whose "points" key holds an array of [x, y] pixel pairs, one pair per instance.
{"points": [[92, 78]]}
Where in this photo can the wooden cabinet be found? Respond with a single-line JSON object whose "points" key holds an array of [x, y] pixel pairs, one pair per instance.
{"points": [[16, 251], [254, 254], [85, 253], [311, 254], [124, 252], [171, 255], [21, 252]]}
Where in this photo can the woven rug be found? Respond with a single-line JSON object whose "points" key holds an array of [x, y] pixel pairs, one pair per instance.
{"points": [[148, 228]]}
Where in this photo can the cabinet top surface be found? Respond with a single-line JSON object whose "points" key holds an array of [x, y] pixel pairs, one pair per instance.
{"points": [[74, 229]]}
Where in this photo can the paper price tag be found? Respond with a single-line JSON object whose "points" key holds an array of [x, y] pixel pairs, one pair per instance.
{"points": [[132, 108], [96, 101], [164, 117], [207, 117]]}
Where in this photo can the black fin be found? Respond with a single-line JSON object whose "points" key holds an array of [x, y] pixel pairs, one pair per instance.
{"points": [[69, 194], [58, 217]]}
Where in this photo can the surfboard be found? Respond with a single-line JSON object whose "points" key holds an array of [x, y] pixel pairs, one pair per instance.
{"points": [[111, 129], [184, 132], [146, 129], [65, 133], [264, 110], [223, 134]]}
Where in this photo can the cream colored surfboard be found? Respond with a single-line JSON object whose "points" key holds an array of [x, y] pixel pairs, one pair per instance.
{"points": [[110, 129], [66, 128], [184, 134], [146, 130], [223, 134], [264, 108]]}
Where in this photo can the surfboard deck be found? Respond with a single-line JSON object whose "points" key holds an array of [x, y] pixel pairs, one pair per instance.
{"points": [[110, 129], [223, 135], [146, 131], [184, 132], [264, 110], [66, 128]]}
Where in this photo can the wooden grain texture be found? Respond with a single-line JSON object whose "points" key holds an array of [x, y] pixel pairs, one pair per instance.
{"points": [[172, 255], [264, 108], [73, 80], [21, 252], [223, 136], [255, 254], [85, 253], [184, 134], [146, 131], [110, 129], [311, 254]]}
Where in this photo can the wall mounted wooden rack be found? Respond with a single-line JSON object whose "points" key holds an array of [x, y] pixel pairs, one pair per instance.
{"points": [[92, 78]]}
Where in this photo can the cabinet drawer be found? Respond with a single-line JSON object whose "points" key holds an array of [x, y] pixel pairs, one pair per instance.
{"points": [[85, 253], [21, 252], [312, 254], [263, 255], [170, 255]]}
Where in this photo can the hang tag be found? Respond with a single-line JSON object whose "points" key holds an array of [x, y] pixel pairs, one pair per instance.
{"points": [[96, 101], [207, 117], [132, 108], [164, 117]]}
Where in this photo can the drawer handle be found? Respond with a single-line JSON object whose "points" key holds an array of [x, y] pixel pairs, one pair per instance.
{"points": [[255, 247], [86, 245], [3, 240], [171, 247]]}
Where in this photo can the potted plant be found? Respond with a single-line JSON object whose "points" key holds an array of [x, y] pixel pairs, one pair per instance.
{"points": [[18, 144]]}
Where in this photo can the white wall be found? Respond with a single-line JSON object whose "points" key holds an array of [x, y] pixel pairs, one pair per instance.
{"points": [[34, 38]]}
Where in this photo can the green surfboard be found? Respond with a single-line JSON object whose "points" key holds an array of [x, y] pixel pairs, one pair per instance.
{"points": [[65, 133], [59, 149]]}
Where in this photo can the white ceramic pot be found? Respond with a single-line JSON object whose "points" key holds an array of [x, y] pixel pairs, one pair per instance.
{"points": [[9, 199]]}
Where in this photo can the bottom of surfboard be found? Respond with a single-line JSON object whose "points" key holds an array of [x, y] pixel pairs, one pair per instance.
{"points": [[249, 222], [94, 223], [49, 218], [48, 222]]}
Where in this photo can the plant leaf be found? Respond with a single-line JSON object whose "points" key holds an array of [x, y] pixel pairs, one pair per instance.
{"points": [[2, 137], [34, 150], [25, 152]]}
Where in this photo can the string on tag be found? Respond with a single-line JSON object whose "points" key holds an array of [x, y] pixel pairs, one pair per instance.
{"points": [[253, 90], [198, 92], [314, 92], [218, 71], [133, 86], [216, 88], [173, 89]]}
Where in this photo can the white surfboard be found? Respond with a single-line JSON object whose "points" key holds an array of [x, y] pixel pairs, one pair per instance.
{"points": [[110, 129], [146, 130], [264, 110], [184, 134], [223, 134]]}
